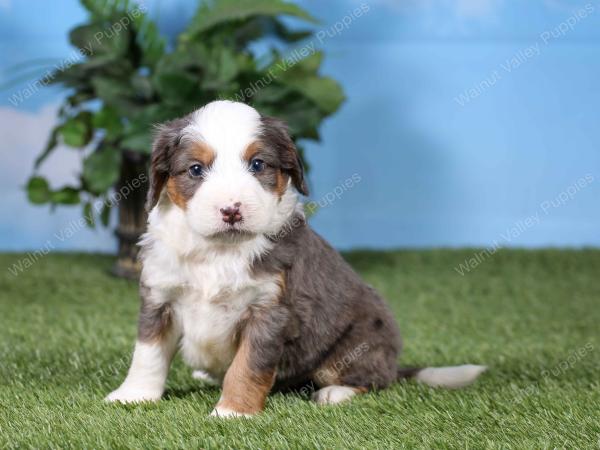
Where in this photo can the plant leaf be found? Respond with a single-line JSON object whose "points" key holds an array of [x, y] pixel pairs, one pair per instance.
{"points": [[149, 40], [217, 12], [77, 131], [96, 39], [176, 86], [38, 190], [67, 195], [105, 214], [284, 33], [101, 169], [88, 215], [139, 141], [108, 119], [325, 92], [118, 94], [50, 146]]}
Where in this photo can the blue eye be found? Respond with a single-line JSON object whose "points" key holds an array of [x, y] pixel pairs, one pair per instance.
{"points": [[257, 165], [196, 171]]}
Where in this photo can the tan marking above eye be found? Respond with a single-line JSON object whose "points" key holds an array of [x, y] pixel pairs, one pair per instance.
{"points": [[203, 153], [251, 151]]}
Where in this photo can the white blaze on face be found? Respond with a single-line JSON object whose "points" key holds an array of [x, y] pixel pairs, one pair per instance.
{"points": [[229, 128]]}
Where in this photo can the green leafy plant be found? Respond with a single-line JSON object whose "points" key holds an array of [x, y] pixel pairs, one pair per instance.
{"points": [[128, 80]]}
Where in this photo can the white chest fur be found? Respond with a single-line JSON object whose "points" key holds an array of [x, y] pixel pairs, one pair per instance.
{"points": [[209, 327], [210, 289]]}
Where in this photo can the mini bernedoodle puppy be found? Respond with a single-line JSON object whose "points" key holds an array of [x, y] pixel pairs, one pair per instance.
{"points": [[234, 277]]}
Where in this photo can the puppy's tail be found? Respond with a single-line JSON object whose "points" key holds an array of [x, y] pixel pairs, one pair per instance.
{"points": [[453, 377]]}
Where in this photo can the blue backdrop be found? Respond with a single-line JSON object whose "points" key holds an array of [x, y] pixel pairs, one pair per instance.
{"points": [[468, 123]]}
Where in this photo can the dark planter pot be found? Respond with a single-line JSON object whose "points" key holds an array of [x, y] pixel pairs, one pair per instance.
{"points": [[132, 215]]}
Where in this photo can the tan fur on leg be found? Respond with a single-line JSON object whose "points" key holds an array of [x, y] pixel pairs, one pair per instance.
{"points": [[244, 390]]}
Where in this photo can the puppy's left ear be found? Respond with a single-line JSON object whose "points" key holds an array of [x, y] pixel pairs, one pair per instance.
{"points": [[166, 139], [275, 133]]}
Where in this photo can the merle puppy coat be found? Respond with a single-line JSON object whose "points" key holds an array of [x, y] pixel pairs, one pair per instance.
{"points": [[235, 279]]}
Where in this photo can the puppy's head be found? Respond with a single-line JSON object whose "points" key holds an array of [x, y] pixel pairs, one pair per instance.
{"points": [[230, 170]]}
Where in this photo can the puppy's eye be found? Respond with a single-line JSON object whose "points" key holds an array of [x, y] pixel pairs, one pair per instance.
{"points": [[257, 165], [196, 171]]}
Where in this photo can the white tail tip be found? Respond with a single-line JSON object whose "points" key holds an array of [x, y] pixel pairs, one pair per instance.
{"points": [[450, 377]]}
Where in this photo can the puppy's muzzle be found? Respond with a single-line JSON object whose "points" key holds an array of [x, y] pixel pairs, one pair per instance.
{"points": [[232, 214]]}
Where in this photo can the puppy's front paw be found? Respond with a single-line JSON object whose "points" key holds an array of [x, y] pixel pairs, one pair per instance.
{"points": [[132, 395], [226, 413]]}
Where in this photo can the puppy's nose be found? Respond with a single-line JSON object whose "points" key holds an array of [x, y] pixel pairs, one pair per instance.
{"points": [[232, 214]]}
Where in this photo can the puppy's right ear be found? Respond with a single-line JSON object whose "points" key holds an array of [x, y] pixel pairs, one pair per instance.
{"points": [[166, 140]]}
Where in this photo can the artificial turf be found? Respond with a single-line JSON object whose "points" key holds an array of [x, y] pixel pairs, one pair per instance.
{"points": [[67, 329]]}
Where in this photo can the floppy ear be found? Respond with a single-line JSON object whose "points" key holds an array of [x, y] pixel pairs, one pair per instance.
{"points": [[275, 133], [166, 139]]}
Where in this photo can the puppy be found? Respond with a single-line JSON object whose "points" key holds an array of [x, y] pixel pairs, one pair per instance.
{"points": [[236, 280]]}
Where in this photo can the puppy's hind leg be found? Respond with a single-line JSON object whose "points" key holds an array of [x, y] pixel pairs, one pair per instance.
{"points": [[332, 395], [354, 368], [336, 385]]}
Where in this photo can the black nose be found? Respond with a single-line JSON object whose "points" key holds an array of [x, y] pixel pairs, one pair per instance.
{"points": [[231, 214]]}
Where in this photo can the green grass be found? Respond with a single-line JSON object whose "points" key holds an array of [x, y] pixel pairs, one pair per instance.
{"points": [[67, 330]]}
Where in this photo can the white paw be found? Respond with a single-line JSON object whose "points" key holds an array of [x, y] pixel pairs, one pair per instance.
{"points": [[132, 395], [204, 376], [225, 413], [332, 395]]}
